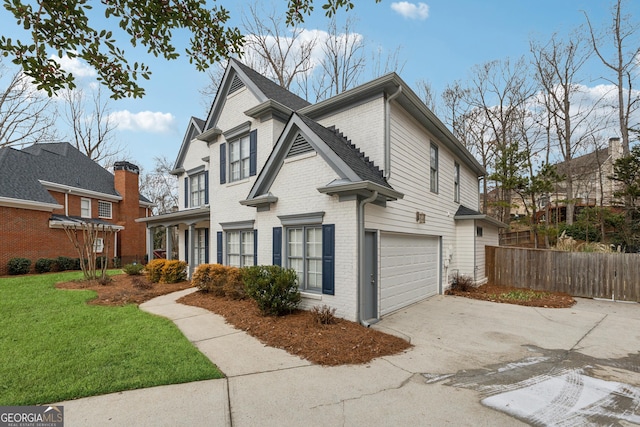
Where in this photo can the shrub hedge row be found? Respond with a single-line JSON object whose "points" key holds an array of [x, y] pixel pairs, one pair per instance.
{"points": [[166, 271]]}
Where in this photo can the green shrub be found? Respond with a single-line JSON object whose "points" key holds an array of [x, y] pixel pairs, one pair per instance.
{"points": [[274, 288], [65, 263], [133, 269], [153, 270], [19, 266], [45, 265], [174, 271]]}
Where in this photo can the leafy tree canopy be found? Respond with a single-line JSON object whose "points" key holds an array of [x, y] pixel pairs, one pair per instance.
{"points": [[67, 28]]}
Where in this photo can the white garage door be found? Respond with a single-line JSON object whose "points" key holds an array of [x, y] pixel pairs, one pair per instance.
{"points": [[408, 269]]}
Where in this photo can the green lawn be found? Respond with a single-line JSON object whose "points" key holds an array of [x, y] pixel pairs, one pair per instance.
{"points": [[55, 347]]}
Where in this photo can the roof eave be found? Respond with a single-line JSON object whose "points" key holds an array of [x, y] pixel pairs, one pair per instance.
{"points": [[29, 204], [361, 188], [269, 107], [485, 218]]}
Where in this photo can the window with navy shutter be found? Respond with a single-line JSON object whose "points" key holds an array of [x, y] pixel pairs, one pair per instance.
{"points": [[255, 247], [206, 246], [328, 259], [186, 246], [219, 247], [277, 246], [187, 194], [206, 187], [253, 152], [223, 163]]}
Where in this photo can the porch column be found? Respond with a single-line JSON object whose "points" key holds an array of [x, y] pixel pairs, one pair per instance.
{"points": [[192, 249], [149, 243], [168, 231]]}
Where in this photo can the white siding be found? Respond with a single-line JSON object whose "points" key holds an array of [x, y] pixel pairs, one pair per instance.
{"points": [[465, 251]]}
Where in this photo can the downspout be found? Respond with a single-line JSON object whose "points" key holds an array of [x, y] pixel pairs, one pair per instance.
{"points": [[361, 278], [387, 132]]}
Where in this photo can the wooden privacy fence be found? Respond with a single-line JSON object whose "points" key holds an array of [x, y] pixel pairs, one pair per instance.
{"points": [[582, 274]]}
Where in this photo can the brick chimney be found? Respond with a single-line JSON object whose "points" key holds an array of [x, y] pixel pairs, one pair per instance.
{"points": [[131, 240]]}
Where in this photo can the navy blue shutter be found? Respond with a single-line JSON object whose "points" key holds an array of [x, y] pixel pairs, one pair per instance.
{"points": [[223, 163], [255, 247], [206, 246], [253, 152], [277, 246], [219, 246], [186, 191], [328, 259], [186, 246], [206, 187]]}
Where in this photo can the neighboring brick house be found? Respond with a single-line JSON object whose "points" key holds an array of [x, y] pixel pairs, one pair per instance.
{"points": [[45, 186], [367, 195]]}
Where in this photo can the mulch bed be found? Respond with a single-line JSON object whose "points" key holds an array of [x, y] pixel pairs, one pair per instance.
{"points": [[502, 294], [124, 289], [338, 344], [298, 333]]}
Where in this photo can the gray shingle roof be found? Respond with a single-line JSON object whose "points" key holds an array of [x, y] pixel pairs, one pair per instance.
{"points": [[272, 90], [60, 163], [349, 153]]}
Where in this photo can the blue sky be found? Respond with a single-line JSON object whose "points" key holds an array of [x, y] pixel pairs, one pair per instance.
{"points": [[440, 42]]}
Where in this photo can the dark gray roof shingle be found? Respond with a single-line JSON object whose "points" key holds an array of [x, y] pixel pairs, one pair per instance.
{"points": [[60, 163], [272, 90], [361, 165]]}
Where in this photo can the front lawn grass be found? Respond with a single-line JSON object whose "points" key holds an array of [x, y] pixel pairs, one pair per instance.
{"points": [[55, 347]]}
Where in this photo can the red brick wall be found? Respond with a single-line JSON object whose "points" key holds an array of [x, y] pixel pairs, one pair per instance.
{"points": [[25, 233]]}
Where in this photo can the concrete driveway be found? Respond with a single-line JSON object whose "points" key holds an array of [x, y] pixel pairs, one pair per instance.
{"points": [[473, 363]]}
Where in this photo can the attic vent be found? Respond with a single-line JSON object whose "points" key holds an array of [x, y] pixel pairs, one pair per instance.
{"points": [[236, 84], [299, 146]]}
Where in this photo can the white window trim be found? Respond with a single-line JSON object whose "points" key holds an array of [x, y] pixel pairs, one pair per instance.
{"points": [[200, 191], [456, 182], [238, 140], [105, 203], [98, 245], [303, 281], [82, 200], [433, 169], [242, 255]]}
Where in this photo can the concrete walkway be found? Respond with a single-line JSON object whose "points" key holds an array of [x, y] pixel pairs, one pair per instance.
{"points": [[445, 379]]}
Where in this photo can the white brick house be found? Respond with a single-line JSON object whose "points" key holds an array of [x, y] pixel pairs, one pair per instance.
{"points": [[367, 194]]}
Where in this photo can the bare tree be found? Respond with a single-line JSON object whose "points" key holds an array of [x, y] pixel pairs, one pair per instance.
{"points": [[27, 115], [426, 93], [92, 127], [499, 92], [160, 187], [623, 63], [86, 239], [343, 60], [571, 119], [273, 48]]}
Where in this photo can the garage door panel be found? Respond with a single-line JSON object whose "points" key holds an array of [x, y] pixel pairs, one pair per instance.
{"points": [[408, 270]]}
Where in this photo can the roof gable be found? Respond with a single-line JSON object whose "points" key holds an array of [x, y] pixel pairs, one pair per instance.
{"points": [[195, 128], [238, 75], [344, 158]]}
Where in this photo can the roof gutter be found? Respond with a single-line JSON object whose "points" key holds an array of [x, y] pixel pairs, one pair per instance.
{"points": [[387, 132]]}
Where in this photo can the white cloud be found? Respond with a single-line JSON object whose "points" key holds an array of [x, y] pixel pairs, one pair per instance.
{"points": [[408, 10], [75, 66], [144, 121]]}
